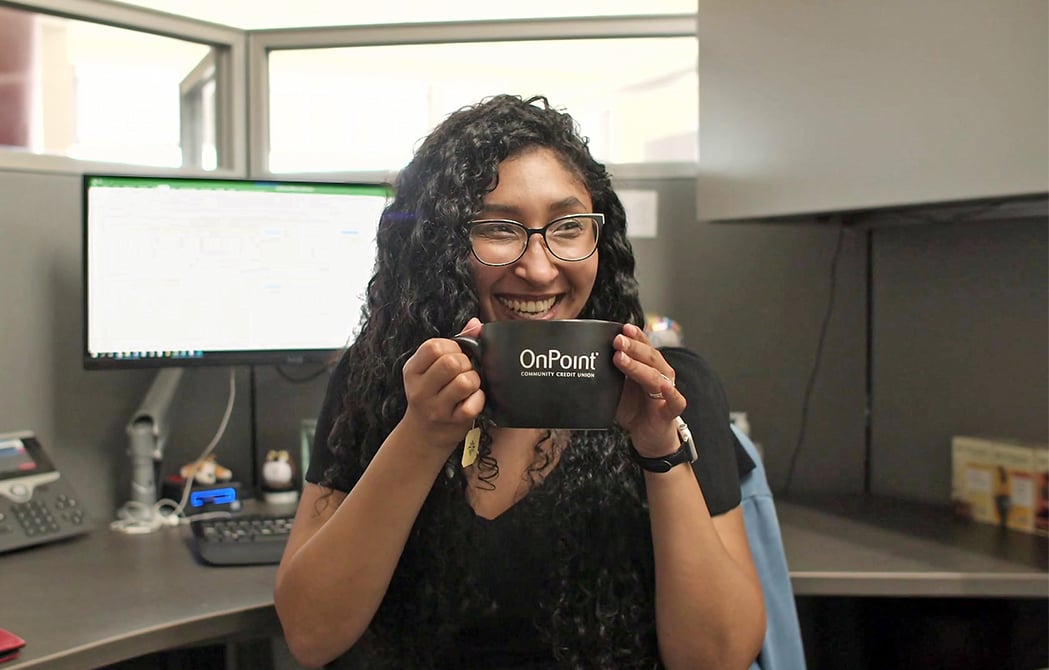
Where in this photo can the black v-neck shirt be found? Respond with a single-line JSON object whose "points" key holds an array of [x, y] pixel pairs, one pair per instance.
{"points": [[512, 557]]}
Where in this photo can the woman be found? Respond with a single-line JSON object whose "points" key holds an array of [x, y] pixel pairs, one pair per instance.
{"points": [[553, 549]]}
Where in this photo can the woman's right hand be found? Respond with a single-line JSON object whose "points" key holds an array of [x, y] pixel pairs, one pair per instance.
{"points": [[443, 390]]}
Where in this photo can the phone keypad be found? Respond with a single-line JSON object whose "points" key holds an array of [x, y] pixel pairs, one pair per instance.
{"points": [[36, 518]]}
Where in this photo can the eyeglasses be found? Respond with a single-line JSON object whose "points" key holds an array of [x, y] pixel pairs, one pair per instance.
{"points": [[503, 241]]}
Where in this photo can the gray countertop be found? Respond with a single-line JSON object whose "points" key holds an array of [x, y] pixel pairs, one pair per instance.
{"points": [[869, 546], [106, 596]]}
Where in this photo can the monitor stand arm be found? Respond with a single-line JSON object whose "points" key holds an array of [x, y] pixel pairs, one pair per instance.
{"points": [[147, 433]]}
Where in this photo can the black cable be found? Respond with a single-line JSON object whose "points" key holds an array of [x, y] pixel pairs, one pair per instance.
{"points": [[819, 356]]}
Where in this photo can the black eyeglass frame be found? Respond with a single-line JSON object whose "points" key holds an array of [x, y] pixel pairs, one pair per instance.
{"points": [[597, 217]]}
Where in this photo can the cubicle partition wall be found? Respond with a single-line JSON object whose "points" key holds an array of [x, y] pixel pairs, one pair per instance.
{"points": [[856, 348]]}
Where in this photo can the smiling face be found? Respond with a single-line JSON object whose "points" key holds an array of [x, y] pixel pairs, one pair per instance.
{"points": [[535, 188]]}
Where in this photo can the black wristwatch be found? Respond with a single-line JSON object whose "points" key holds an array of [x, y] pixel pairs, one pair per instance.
{"points": [[686, 453]]}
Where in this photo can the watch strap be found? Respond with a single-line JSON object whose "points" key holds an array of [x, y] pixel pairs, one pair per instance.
{"points": [[686, 453]]}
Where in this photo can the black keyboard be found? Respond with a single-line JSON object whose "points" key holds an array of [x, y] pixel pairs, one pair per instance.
{"points": [[246, 539]]}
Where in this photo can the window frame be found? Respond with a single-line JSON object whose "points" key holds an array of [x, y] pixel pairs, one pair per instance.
{"points": [[191, 108], [242, 121], [262, 42], [230, 46]]}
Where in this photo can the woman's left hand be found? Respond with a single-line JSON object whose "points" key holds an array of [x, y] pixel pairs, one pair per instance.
{"points": [[650, 401]]}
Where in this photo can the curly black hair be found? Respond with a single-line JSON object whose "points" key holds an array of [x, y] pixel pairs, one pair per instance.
{"points": [[598, 607]]}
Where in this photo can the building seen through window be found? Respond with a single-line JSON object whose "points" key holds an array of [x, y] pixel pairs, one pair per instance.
{"points": [[95, 92]]}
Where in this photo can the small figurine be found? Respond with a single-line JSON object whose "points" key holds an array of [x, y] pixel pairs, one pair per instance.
{"points": [[206, 471], [278, 477]]}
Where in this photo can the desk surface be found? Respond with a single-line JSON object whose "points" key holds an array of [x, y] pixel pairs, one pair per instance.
{"points": [[106, 596], [864, 546]]}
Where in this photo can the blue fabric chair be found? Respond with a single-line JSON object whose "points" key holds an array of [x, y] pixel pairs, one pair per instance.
{"points": [[783, 648]]}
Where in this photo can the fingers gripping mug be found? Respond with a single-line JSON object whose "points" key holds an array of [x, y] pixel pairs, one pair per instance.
{"points": [[548, 374]]}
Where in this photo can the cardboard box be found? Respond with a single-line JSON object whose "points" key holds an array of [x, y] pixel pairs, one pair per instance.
{"points": [[1041, 491], [972, 483], [998, 481], [1014, 486]]}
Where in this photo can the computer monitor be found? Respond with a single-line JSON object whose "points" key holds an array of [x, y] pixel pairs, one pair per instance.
{"points": [[183, 271]]}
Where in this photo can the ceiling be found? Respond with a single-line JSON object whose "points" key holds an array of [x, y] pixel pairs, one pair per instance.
{"points": [[255, 15]]}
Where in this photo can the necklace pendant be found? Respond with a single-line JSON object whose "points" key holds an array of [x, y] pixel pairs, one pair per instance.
{"points": [[471, 446]]}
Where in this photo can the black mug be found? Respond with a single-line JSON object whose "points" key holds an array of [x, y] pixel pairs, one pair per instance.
{"points": [[548, 374]]}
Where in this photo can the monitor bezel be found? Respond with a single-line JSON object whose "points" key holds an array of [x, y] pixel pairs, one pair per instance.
{"points": [[249, 357]]}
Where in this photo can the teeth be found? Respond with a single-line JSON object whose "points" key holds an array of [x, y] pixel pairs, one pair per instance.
{"points": [[529, 306]]}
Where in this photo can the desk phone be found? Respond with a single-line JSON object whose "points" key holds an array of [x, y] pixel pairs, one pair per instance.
{"points": [[36, 504]]}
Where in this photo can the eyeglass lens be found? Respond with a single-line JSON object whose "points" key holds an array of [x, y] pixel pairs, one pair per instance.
{"points": [[503, 242]]}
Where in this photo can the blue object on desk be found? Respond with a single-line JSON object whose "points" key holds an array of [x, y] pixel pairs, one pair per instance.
{"points": [[222, 495]]}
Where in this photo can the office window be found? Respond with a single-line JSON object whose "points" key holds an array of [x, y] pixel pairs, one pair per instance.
{"points": [[96, 92], [365, 108]]}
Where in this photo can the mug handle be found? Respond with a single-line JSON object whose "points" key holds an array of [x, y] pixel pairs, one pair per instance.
{"points": [[471, 346]]}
